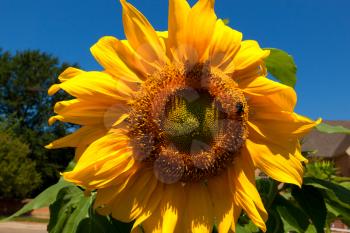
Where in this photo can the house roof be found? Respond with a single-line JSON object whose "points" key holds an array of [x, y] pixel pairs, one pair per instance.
{"points": [[328, 145]]}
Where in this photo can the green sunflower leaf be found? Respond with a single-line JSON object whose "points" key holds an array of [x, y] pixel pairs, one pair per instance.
{"points": [[292, 215], [44, 199], [325, 128], [70, 207], [334, 191], [274, 223], [267, 189], [281, 66], [102, 224], [310, 199], [339, 211]]}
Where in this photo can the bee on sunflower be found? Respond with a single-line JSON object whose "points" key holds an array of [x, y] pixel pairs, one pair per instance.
{"points": [[175, 125]]}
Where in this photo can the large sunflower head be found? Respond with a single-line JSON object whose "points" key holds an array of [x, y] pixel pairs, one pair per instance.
{"points": [[174, 126]]}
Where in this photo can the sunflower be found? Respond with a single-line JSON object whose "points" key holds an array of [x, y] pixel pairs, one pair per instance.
{"points": [[175, 125]]}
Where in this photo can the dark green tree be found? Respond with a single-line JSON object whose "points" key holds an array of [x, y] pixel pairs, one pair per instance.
{"points": [[25, 108], [18, 175]]}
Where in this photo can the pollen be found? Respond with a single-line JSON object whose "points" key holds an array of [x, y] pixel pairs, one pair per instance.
{"points": [[188, 122]]}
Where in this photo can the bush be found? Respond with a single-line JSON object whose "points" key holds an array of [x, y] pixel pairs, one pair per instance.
{"points": [[18, 176]]}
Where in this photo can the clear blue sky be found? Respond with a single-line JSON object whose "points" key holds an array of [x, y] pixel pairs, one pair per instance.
{"points": [[315, 32]]}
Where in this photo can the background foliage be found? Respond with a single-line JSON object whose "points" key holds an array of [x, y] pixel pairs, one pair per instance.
{"points": [[18, 176], [24, 110]]}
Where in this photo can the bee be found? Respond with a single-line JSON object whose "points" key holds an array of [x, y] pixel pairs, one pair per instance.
{"points": [[239, 108]]}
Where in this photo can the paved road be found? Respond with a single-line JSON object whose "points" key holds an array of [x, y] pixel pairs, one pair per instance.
{"points": [[22, 227]]}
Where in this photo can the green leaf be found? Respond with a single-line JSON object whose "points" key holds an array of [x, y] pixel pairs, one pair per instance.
{"points": [[70, 207], [290, 213], [334, 191], [274, 223], [325, 128], [45, 198], [310, 199], [339, 211], [267, 189], [102, 224], [241, 229], [281, 65], [72, 212]]}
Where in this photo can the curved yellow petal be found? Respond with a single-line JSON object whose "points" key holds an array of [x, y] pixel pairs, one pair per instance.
{"points": [[153, 224], [96, 86], [223, 201], [141, 35], [178, 13], [199, 212], [199, 31], [105, 52], [172, 206], [129, 204], [104, 161], [81, 148], [224, 46], [106, 195], [247, 195], [277, 161], [150, 209], [236, 213], [86, 135], [89, 113], [277, 126], [262, 92], [69, 73], [250, 54]]}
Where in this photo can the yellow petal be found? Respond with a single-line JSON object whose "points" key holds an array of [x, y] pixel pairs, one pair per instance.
{"points": [[172, 206], [224, 46], [105, 52], [95, 86], [104, 161], [178, 13], [236, 213], [199, 212], [280, 125], [141, 35], [247, 195], [223, 201], [134, 60], [69, 73], [199, 30], [129, 204], [150, 210], [265, 93], [89, 113], [250, 54], [153, 224], [106, 195], [80, 150], [163, 37], [86, 135], [275, 160]]}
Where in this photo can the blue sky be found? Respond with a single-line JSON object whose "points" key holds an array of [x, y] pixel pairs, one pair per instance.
{"points": [[315, 32]]}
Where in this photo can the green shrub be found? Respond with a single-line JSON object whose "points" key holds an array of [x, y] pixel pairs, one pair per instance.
{"points": [[18, 176]]}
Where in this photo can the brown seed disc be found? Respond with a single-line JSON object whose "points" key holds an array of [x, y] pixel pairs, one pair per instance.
{"points": [[188, 122]]}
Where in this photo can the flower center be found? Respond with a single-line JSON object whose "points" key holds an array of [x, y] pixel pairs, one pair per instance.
{"points": [[191, 116], [188, 123]]}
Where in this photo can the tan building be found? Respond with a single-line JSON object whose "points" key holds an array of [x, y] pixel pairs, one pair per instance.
{"points": [[335, 147]]}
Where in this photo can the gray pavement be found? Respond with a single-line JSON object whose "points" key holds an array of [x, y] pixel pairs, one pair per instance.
{"points": [[22, 227]]}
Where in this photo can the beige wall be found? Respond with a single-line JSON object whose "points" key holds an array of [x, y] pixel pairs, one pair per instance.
{"points": [[343, 163]]}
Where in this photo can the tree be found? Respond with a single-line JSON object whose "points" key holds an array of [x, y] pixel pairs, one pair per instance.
{"points": [[18, 176], [25, 107]]}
